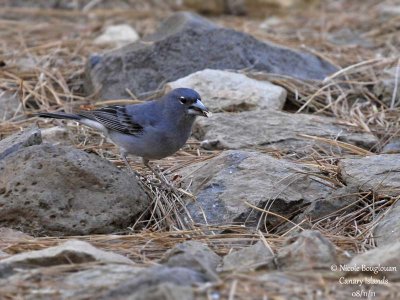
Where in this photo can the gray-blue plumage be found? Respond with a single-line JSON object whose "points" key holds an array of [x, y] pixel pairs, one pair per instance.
{"points": [[151, 130]]}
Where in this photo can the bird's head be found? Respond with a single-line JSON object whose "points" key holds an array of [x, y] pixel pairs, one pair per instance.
{"points": [[189, 101]]}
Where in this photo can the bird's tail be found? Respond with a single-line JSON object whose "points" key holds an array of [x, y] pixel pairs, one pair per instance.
{"points": [[59, 116]]}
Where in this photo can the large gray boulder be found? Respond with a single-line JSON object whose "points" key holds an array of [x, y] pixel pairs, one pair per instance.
{"points": [[186, 43], [274, 129], [230, 187], [54, 190]]}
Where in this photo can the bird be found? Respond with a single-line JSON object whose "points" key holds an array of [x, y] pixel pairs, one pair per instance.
{"points": [[150, 130]]}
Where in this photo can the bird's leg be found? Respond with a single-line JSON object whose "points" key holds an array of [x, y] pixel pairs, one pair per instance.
{"points": [[168, 185], [158, 175], [123, 155]]}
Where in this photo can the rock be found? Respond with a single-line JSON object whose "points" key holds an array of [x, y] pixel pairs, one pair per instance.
{"points": [[74, 5], [26, 64], [381, 262], [379, 173], [17, 141], [100, 271], [223, 91], [59, 190], [163, 291], [5, 271], [340, 199], [153, 277], [271, 22], [391, 10], [187, 43], [392, 147], [87, 281], [249, 258], [103, 276], [108, 281], [119, 35], [235, 7], [56, 135], [349, 37], [286, 284], [385, 87], [193, 255], [305, 251], [325, 285], [70, 252], [387, 231], [51, 4], [9, 105], [279, 130], [225, 183]]}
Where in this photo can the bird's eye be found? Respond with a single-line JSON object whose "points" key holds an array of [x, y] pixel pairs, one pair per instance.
{"points": [[183, 100]]}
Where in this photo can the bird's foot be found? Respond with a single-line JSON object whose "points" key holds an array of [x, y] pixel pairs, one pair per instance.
{"points": [[169, 187]]}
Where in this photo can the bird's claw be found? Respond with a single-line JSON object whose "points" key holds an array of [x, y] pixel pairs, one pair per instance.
{"points": [[172, 189]]}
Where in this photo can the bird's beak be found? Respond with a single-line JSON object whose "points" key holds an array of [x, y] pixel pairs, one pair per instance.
{"points": [[199, 109]]}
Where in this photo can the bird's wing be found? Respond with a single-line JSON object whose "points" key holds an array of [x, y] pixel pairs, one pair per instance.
{"points": [[114, 117]]}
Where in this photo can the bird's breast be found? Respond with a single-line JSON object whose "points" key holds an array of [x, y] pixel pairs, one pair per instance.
{"points": [[152, 143]]}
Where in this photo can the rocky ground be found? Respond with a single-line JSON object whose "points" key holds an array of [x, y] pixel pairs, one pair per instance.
{"points": [[289, 191]]}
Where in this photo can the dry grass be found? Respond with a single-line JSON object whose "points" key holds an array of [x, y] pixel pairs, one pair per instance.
{"points": [[44, 54]]}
